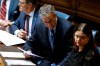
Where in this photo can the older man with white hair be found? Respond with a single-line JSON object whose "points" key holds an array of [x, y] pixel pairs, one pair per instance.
{"points": [[50, 38]]}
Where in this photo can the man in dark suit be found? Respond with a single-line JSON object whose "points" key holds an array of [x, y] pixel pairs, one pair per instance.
{"points": [[52, 51], [12, 12], [27, 7]]}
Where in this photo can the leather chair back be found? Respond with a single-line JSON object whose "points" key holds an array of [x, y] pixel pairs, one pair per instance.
{"points": [[62, 15]]}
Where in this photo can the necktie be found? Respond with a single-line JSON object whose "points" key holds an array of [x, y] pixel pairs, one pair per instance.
{"points": [[27, 23], [3, 10], [51, 38]]}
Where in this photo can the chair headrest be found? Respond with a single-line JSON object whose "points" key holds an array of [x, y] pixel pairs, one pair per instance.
{"points": [[94, 33], [62, 14]]}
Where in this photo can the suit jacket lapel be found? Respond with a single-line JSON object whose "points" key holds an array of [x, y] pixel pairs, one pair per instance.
{"points": [[12, 7], [0, 4], [35, 16], [22, 20], [58, 34], [45, 34]]}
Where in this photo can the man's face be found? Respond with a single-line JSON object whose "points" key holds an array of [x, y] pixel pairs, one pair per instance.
{"points": [[22, 5], [50, 20]]}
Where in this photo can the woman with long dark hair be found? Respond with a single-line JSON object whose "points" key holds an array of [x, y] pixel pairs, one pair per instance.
{"points": [[84, 52]]}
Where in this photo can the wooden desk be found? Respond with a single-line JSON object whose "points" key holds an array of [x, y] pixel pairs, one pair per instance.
{"points": [[11, 49]]}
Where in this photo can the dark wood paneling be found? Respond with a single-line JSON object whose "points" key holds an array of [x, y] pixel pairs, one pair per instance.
{"points": [[88, 9]]}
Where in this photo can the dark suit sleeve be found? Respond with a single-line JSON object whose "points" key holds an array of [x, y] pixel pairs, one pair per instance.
{"points": [[69, 36], [63, 63], [31, 42], [19, 23], [15, 26]]}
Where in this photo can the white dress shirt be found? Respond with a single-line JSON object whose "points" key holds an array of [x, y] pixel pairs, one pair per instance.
{"points": [[30, 24]]}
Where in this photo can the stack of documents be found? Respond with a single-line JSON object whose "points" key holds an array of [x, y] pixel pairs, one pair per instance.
{"points": [[16, 58], [19, 62], [9, 39], [12, 54]]}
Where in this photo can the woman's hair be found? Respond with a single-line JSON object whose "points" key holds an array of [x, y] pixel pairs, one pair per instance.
{"points": [[86, 29]]}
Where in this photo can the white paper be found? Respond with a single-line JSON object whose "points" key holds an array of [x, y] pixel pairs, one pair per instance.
{"points": [[19, 62], [29, 52], [9, 39], [12, 54], [32, 54]]}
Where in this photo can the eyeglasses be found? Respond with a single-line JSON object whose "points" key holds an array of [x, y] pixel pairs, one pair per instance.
{"points": [[49, 20], [80, 37]]}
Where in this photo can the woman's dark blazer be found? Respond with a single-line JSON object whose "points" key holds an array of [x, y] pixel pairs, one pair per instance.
{"points": [[88, 57]]}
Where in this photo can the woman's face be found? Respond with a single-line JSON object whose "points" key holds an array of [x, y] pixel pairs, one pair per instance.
{"points": [[80, 38]]}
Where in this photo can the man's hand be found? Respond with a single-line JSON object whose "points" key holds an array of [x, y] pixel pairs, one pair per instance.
{"points": [[27, 55], [5, 23], [22, 34]]}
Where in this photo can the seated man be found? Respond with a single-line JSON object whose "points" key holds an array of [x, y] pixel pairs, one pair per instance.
{"points": [[50, 39], [9, 11], [23, 27]]}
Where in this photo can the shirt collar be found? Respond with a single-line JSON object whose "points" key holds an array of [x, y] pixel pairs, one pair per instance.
{"points": [[32, 13]]}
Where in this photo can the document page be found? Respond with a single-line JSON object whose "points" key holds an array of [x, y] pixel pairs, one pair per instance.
{"points": [[9, 39], [16, 58], [29, 53], [12, 54], [19, 62]]}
